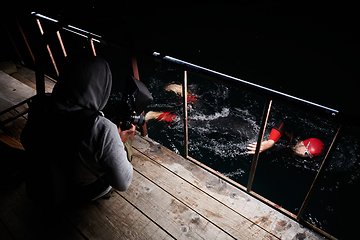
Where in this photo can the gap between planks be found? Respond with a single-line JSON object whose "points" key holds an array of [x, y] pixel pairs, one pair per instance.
{"points": [[272, 221], [235, 226]]}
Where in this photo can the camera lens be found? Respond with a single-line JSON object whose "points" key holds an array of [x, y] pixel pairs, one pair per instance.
{"points": [[138, 119]]}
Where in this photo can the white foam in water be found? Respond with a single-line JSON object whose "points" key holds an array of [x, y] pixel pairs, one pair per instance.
{"points": [[238, 172], [202, 117]]}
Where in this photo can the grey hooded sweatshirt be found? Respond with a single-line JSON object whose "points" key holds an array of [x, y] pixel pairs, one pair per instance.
{"points": [[85, 83]]}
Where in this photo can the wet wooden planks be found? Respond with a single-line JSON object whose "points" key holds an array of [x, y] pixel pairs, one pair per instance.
{"points": [[27, 76], [185, 210], [170, 213], [169, 198], [229, 208], [12, 91], [22, 219], [17, 83], [115, 218]]}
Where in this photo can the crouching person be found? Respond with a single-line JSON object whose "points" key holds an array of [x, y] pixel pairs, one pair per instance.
{"points": [[75, 154]]}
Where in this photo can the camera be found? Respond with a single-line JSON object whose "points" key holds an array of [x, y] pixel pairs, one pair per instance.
{"points": [[138, 120], [134, 100]]}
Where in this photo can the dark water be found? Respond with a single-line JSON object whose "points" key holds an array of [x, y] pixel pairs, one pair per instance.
{"points": [[224, 120]]}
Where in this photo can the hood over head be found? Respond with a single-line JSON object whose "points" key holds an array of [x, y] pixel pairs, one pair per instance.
{"points": [[85, 82]]}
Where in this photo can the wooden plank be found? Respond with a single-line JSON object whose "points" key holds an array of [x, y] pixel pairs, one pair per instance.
{"points": [[13, 91], [93, 223], [134, 224], [176, 218], [114, 218], [204, 205], [8, 67], [233, 197], [49, 85], [10, 141], [30, 76], [24, 220], [27, 73], [24, 80], [145, 228], [5, 103], [15, 127]]}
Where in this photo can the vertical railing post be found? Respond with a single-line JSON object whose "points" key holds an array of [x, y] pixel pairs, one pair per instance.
{"points": [[39, 63], [264, 120], [134, 66], [321, 172], [92, 46], [48, 48], [25, 40], [184, 91], [61, 43]]}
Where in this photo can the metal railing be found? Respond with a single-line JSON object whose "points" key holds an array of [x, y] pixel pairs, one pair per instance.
{"points": [[269, 94]]}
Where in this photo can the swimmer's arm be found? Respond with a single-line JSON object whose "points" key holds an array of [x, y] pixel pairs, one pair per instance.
{"points": [[265, 145], [276, 132], [152, 115]]}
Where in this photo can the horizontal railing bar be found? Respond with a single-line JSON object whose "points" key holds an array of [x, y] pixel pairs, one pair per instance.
{"points": [[82, 35], [84, 31], [44, 17], [237, 82], [17, 105], [333, 111], [70, 28], [16, 116]]}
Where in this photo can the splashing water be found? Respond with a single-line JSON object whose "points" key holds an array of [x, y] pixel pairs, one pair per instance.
{"points": [[224, 120]]}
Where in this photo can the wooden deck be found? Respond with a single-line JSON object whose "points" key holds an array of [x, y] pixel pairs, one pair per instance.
{"points": [[169, 198]]}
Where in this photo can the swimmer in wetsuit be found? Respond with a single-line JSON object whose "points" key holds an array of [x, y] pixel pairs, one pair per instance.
{"points": [[169, 116], [310, 147]]}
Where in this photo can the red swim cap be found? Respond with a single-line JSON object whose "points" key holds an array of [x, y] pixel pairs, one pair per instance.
{"points": [[314, 145]]}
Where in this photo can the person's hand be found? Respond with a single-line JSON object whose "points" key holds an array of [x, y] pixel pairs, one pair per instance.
{"points": [[265, 145], [124, 135]]}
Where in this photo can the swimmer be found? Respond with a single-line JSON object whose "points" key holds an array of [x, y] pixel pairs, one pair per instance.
{"points": [[311, 147], [169, 116], [177, 88]]}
